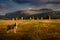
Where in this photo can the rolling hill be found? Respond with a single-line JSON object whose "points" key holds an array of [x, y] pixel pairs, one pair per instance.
{"points": [[45, 13]]}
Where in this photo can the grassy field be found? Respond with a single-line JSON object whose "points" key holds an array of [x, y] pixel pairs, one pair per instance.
{"points": [[31, 30]]}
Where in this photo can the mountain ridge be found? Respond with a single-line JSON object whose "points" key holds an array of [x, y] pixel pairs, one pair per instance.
{"points": [[26, 14]]}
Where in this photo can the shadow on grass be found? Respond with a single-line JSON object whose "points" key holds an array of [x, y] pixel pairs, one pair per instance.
{"points": [[26, 37]]}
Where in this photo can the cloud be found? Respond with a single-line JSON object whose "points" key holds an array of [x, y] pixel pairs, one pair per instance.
{"points": [[36, 3], [50, 6], [32, 2], [54, 2], [15, 5], [22, 1], [11, 6], [3, 6]]}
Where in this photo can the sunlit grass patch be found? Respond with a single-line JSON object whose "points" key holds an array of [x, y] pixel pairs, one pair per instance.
{"points": [[31, 30]]}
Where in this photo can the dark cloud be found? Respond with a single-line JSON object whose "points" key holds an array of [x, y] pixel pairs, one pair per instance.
{"points": [[21, 1], [3, 6], [32, 2], [38, 2], [14, 5], [54, 2]]}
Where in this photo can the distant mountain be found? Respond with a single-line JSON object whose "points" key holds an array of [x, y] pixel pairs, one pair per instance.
{"points": [[1, 16], [26, 14], [18, 14], [45, 10], [52, 14]]}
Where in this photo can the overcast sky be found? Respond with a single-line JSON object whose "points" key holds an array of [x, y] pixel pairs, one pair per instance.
{"points": [[15, 5]]}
